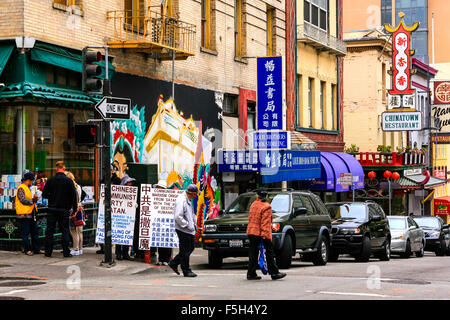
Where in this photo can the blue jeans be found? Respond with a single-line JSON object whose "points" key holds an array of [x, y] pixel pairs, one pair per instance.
{"points": [[29, 226]]}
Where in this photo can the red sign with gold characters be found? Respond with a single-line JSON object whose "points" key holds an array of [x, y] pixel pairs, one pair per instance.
{"points": [[401, 57], [442, 92]]}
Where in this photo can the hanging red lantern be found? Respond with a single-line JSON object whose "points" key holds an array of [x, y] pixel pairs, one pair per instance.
{"points": [[371, 175], [387, 174], [395, 176]]}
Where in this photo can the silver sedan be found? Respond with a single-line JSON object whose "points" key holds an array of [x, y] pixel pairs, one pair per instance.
{"points": [[407, 236]]}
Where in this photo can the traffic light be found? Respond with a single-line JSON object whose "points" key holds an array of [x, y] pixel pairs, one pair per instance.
{"points": [[91, 71], [86, 134]]}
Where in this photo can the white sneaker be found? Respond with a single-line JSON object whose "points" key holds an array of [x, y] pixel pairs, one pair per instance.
{"points": [[80, 252], [74, 252]]}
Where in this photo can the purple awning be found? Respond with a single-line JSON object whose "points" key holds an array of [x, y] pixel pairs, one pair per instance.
{"points": [[333, 164]]}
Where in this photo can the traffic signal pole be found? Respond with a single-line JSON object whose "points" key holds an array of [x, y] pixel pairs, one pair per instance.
{"points": [[106, 159]]}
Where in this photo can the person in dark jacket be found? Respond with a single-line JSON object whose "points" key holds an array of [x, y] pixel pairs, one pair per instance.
{"points": [[260, 228], [62, 200]]}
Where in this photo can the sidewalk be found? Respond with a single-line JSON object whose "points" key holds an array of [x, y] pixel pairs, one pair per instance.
{"points": [[56, 267]]}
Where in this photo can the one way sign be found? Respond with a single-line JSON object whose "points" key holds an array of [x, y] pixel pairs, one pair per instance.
{"points": [[114, 108]]}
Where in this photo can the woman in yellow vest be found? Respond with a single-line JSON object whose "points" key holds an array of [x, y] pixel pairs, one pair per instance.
{"points": [[26, 210]]}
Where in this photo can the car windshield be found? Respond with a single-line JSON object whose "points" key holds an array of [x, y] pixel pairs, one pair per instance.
{"points": [[279, 203], [428, 222], [397, 223], [350, 211]]}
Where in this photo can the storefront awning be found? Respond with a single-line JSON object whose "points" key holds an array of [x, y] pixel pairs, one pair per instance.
{"points": [[414, 182], [42, 94], [63, 58], [333, 164], [5, 52]]}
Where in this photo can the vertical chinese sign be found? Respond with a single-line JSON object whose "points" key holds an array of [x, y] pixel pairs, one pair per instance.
{"points": [[401, 95], [401, 98], [270, 93]]}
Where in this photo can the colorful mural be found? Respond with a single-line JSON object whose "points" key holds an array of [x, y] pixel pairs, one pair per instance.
{"points": [[176, 143]]}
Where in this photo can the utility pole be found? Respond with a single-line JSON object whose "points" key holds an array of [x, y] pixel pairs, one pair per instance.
{"points": [[106, 164]]}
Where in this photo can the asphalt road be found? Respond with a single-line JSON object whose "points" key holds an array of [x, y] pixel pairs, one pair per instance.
{"points": [[38, 277]]}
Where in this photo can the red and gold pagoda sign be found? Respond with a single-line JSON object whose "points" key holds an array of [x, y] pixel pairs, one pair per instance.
{"points": [[401, 95]]}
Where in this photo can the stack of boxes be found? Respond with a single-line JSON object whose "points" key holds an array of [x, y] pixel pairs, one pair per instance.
{"points": [[8, 189]]}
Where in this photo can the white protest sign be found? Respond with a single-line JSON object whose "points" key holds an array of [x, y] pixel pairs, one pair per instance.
{"points": [[123, 215], [156, 225]]}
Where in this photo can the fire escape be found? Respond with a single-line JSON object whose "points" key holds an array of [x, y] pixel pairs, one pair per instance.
{"points": [[160, 34]]}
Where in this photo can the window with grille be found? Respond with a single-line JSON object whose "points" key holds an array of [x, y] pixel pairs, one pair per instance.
{"points": [[316, 13], [230, 104]]}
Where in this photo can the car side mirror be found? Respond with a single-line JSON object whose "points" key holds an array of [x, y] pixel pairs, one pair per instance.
{"points": [[376, 218], [299, 212]]}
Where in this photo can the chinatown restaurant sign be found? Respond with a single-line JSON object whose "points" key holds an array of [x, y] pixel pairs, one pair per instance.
{"points": [[401, 96], [441, 106]]}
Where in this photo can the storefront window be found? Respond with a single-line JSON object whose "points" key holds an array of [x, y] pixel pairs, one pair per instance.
{"points": [[49, 137], [8, 140]]}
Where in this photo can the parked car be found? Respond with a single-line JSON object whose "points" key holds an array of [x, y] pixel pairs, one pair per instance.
{"points": [[436, 234], [359, 229], [407, 236], [301, 224]]}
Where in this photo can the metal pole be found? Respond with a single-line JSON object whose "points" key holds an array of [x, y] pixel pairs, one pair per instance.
{"points": [[173, 75], [390, 205], [106, 168], [429, 163]]}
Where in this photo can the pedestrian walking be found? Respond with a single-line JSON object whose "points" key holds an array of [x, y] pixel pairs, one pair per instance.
{"points": [[26, 211], [122, 250], [185, 226], [77, 219], [164, 254], [62, 201], [260, 229]]}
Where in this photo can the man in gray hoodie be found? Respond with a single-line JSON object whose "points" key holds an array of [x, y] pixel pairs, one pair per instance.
{"points": [[185, 226]]}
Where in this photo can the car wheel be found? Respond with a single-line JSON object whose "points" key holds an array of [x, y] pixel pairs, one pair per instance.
{"points": [[320, 257], [407, 252], [364, 255], [333, 256], [421, 252], [386, 254], [442, 249], [284, 258], [215, 259]]}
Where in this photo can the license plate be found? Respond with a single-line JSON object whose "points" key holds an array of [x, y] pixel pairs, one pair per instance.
{"points": [[236, 243]]}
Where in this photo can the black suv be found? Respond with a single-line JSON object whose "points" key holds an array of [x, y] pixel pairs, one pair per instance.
{"points": [[359, 229], [437, 237], [301, 223]]}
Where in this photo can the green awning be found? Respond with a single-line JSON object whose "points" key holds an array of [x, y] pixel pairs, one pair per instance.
{"points": [[5, 52], [413, 182], [63, 58], [41, 94]]}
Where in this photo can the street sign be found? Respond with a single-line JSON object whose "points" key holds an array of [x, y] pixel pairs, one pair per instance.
{"points": [[401, 121], [114, 108], [270, 93], [346, 180], [275, 139]]}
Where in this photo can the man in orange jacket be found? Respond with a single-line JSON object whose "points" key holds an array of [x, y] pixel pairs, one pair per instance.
{"points": [[260, 227]]}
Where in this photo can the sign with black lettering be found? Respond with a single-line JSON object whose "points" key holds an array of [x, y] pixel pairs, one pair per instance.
{"points": [[114, 108]]}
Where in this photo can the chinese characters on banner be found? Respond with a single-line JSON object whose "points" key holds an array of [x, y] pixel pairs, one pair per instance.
{"points": [[123, 215], [238, 161], [156, 225], [401, 95], [270, 93]]}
